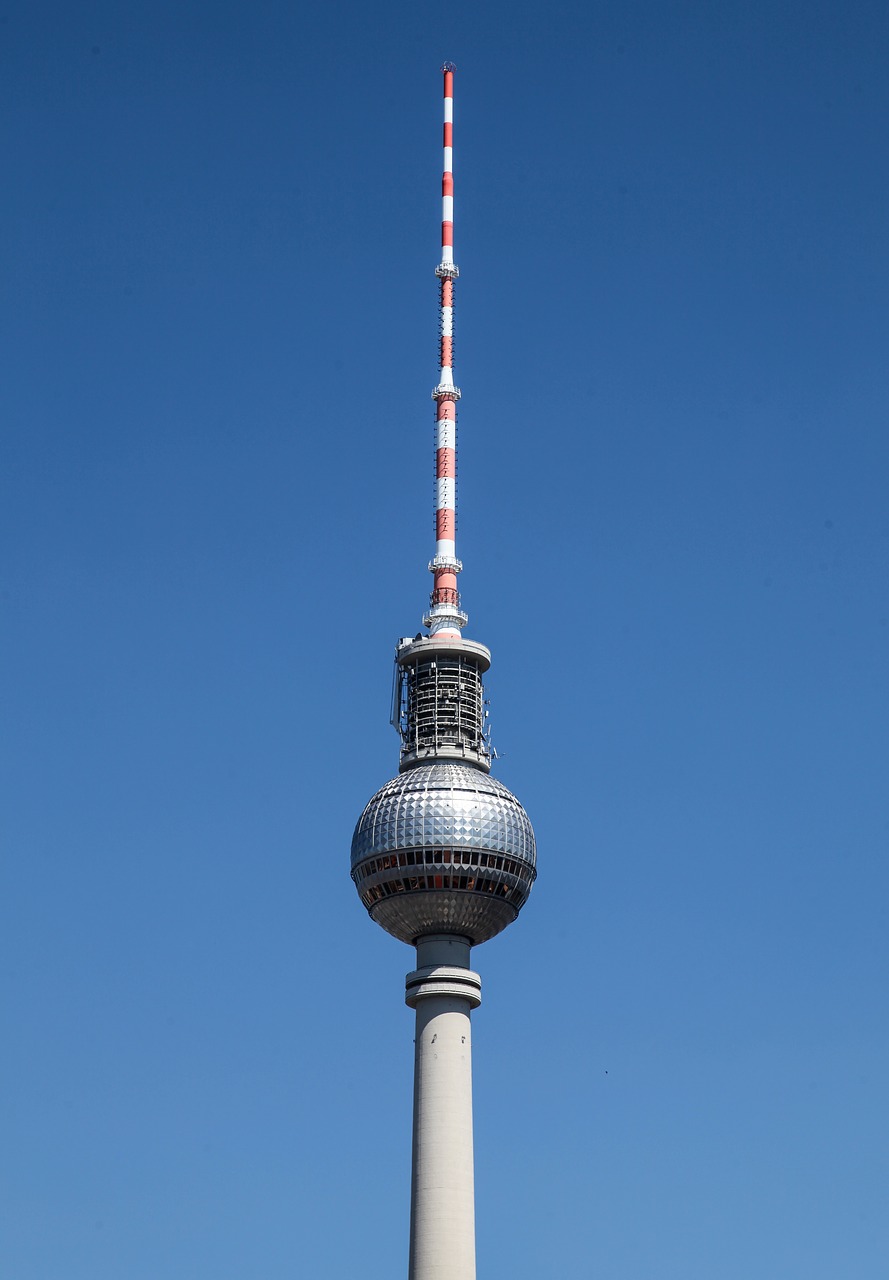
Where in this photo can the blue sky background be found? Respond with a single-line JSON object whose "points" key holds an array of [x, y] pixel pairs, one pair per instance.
{"points": [[219, 332]]}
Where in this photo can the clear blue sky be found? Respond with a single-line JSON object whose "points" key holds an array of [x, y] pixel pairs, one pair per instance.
{"points": [[219, 229]]}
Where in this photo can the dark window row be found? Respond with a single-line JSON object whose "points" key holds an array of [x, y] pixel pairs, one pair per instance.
{"points": [[448, 880], [436, 857]]}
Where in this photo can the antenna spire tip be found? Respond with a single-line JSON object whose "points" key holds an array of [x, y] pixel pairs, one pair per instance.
{"points": [[448, 66]]}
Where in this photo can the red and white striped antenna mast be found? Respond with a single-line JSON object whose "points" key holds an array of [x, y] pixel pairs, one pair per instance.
{"points": [[445, 619]]}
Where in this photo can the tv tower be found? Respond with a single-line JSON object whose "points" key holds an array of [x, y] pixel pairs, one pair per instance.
{"points": [[443, 856]]}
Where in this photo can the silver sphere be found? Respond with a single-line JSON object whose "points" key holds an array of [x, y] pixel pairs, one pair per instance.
{"points": [[444, 848]]}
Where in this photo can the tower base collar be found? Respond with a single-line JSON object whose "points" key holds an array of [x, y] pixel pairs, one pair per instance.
{"points": [[442, 980]]}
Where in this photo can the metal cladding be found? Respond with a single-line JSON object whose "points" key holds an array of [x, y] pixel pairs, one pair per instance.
{"points": [[444, 848]]}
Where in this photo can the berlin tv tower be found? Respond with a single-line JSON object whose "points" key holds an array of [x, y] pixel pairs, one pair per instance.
{"points": [[443, 856]]}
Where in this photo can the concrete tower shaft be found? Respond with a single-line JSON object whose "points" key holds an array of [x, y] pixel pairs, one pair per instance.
{"points": [[443, 990]]}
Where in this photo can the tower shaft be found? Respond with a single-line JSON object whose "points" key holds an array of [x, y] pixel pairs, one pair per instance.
{"points": [[443, 990]]}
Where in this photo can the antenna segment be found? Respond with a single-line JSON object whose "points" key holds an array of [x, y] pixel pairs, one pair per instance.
{"points": [[445, 618]]}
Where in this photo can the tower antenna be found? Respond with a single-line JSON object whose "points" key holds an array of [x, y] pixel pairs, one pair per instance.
{"points": [[445, 618]]}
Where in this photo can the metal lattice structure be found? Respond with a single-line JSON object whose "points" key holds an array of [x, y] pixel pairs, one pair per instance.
{"points": [[441, 709]]}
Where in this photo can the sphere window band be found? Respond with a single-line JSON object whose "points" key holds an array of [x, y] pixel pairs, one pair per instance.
{"points": [[510, 879]]}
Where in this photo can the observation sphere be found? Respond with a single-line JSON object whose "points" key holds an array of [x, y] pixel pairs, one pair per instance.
{"points": [[444, 848]]}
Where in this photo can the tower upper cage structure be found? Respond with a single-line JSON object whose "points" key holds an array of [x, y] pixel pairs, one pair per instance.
{"points": [[443, 848]]}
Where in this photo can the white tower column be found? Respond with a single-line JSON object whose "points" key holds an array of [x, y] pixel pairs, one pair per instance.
{"points": [[443, 990]]}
